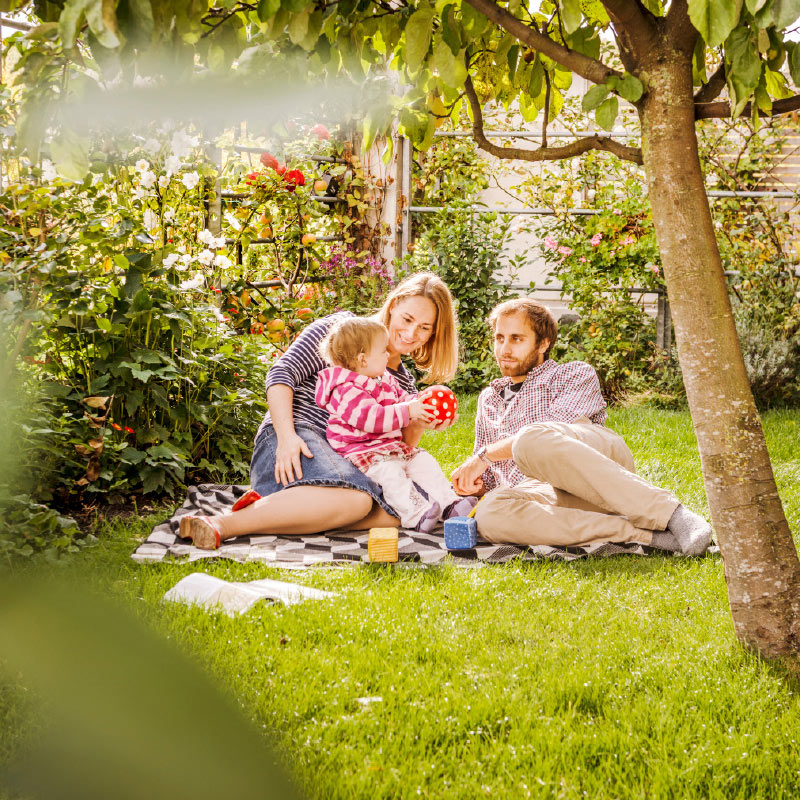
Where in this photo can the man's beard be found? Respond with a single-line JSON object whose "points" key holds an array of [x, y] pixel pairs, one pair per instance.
{"points": [[524, 367]]}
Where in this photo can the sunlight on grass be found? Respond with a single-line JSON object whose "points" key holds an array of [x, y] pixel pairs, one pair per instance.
{"points": [[617, 678]]}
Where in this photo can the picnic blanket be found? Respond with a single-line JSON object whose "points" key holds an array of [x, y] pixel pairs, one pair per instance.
{"points": [[341, 547]]}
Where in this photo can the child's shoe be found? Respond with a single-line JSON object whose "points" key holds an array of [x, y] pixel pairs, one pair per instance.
{"points": [[430, 519], [461, 507]]}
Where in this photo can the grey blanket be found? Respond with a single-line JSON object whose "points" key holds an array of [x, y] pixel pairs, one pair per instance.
{"points": [[298, 552]]}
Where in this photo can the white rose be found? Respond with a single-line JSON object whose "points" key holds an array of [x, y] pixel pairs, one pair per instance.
{"points": [[148, 179], [150, 219], [163, 181], [139, 193], [172, 165], [230, 218], [222, 261], [141, 165], [186, 260], [190, 180], [206, 237], [205, 258], [169, 215], [193, 283], [219, 243], [171, 260]]}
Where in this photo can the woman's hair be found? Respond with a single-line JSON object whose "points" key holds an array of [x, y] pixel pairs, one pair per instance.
{"points": [[348, 338], [439, 355], [540, 319]]}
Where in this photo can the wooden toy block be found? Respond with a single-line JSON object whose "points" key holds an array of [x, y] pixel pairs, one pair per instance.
{"points": [[460, 533], [382, 545]]}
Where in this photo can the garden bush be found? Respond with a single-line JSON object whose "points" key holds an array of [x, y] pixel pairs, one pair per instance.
{"points": [[465, 248]]}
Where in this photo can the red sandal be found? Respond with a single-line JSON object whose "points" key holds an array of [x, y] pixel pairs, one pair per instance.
{"points": [[201, 531], [247, 499]]}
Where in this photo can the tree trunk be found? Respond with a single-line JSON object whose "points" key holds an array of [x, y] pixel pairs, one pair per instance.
{"points": [[761, 564]]}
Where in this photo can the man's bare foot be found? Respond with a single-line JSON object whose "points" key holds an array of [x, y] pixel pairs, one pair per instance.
{"points": [[201, 530]]}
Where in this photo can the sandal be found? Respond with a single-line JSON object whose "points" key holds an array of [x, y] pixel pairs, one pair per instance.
{"points": [[247, 499], [201, 531]]}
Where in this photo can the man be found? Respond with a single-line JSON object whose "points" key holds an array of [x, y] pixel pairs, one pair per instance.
{"points": [[551, 472]]}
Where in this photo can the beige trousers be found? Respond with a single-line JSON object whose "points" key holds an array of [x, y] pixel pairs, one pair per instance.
{"points": [[582, 488]]}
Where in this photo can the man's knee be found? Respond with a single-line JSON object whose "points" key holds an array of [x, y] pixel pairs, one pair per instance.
{"points": [[532, 447], [490, 512]]}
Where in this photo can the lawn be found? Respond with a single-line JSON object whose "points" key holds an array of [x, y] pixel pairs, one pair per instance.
{"points": [[616, 678]]}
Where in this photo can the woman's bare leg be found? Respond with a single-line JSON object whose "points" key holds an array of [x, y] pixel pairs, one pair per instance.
{"points": [[377, 518], [300, 510]]}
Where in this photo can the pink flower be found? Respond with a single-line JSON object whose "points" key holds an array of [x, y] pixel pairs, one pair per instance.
{"points": [[550, 243], [321, 131], [654, 269], [596, 239], [565, 251], [628, 240], [583, 259]]}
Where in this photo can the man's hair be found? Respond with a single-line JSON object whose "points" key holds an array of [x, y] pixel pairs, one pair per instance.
{"points": [[539, 318], [348, 338]]}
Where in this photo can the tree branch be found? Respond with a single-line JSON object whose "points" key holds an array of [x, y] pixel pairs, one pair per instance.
{"points": [[710, 91], [723, 109], [635, 27], [680, 31], [570, 150], [589, 68]]}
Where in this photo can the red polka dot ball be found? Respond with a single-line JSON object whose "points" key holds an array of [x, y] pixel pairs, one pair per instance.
{"points": [[441, 401]]}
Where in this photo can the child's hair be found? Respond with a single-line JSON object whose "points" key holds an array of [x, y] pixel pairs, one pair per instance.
{"points": [[348, 338]]}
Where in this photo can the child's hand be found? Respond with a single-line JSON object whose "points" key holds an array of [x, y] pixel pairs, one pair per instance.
{"points": [[418, 410]]}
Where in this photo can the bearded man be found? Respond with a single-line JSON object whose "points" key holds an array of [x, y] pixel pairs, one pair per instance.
{"points": [[552, 473]]}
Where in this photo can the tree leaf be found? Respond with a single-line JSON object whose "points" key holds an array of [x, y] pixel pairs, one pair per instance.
{"points": [[594, 97], [754, 6], [96, 402], [785, 12], [474, 23], [418, 37], [298, 25], [714, 19], [630, 87], [607, 113], [451, 68], [794, 61], [571, 15], [70, 153], [267, 9], [450, 32], [743, 66]]}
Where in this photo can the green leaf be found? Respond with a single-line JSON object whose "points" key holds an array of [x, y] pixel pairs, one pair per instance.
{"points": [[794, 61], [418, 37], [754, 6], [743, 66], [294, 6], [513, 58], [298, 25], [571, 15], [595, 12], [607, 113], [630, 87], [452, 69], [528, 108], [474, 23], [267, 9], [450, 32], [785, 12], [536, 79], [70, 153], [585, 40], [103, 323], [776, 85], [715, 19], [594, 97]]}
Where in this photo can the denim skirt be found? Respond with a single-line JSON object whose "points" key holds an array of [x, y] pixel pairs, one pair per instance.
{"points": [[327, 468]]}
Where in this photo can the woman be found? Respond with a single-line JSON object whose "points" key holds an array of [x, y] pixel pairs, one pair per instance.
{"points": [[305, 486]]}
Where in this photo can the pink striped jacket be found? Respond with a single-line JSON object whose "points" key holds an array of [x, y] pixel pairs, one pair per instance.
{"points": [[366, 413]]}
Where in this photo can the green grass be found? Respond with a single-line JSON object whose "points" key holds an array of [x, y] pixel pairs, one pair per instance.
{"points": [[617, 678]]}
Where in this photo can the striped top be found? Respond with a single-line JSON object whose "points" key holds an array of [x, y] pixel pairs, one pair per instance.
{"points": [[365, 413], [298, 367]]}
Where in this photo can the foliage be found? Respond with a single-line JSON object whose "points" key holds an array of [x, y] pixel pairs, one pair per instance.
{"points": [[466, 249], [600, 260], [356, 282]]}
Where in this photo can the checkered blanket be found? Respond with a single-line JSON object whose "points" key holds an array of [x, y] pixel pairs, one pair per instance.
{"points": [[298, 552]]}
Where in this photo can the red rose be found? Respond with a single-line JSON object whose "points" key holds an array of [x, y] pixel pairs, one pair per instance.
{"points": [[294, 178], [269, 160], [280, 169], [321, 131], [252, 177]]}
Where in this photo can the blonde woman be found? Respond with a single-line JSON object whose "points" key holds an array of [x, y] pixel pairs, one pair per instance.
{"points": [[302, 486]]}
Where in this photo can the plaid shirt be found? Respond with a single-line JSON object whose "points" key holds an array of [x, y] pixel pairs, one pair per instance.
{"points": [[551, 392]]}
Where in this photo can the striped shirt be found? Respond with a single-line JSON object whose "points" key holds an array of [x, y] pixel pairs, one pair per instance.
{"points": [[298, 367], [551, 392], [366, 414]]}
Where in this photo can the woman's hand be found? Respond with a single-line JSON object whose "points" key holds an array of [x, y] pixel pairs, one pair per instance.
{"points": [[287, 458]]}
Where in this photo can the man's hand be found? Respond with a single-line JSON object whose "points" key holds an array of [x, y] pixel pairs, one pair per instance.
{"points": [[467, 478]]}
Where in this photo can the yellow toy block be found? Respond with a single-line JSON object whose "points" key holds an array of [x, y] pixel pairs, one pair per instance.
{"points": [[382, 546]]}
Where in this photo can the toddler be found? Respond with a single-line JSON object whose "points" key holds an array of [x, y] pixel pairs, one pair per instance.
{"points": [[368, 411]]}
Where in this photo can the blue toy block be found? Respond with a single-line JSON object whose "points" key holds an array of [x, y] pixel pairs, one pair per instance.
{"points": [[460, 533]]}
